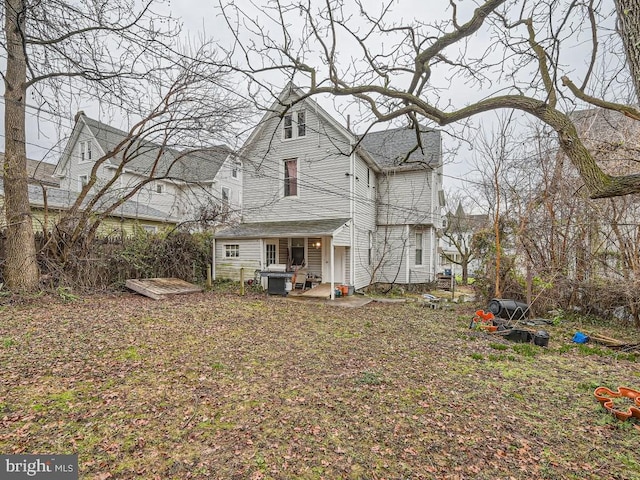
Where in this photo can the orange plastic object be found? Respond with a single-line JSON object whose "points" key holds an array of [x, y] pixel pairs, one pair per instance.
{"points": [[605, 396], [484, 321]]}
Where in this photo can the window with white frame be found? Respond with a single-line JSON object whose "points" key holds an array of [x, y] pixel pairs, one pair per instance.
{"points": [[294, 125], [302, 124], [291, 177], [85, 151], [271, 253], [234, 170], [288, 126], [232, 251], [82, 181], [159, 188], [226, 195], [418, 248]]}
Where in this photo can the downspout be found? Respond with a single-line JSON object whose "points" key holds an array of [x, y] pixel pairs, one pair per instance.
{"points": [[352, 209]]}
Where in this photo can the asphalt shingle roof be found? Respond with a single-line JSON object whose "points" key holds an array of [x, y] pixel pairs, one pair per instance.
{"points": [[389, 148], [60, 199], [200, 166], [307, 228]]}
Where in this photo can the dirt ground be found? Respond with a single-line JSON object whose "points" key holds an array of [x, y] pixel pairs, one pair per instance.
{"points": [[227, 387]]}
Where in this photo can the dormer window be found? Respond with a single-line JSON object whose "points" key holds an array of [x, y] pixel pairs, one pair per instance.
{"points": [[297, 128], [85, 151]]}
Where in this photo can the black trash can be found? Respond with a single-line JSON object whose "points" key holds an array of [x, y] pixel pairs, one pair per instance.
{"points": [[510, 309]]}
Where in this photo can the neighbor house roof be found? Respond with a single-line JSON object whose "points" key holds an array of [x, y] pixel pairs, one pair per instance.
{"points": [[309, 228], [200, 165], [59, 199], [38, 171], [399, 147]]}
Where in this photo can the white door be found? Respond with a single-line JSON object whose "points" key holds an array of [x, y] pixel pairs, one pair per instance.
{"points": [[339, 257]]}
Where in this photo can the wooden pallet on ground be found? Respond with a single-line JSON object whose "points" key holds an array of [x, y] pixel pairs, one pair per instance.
{"points": [[158, 288]]}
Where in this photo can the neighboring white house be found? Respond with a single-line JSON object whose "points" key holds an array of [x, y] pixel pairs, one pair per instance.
{"points": [[180, 185], [456, 242], [347, 209]]}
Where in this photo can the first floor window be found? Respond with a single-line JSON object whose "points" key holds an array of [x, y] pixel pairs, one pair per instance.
{"points": [[150, 228], [418, 248], [232, 251], [271, 253], [291, 177], [370, 247]]}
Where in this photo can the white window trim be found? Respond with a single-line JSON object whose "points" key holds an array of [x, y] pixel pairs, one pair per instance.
{"points": [[421, 234], [230, 248], [86, 151], [293, 115]]}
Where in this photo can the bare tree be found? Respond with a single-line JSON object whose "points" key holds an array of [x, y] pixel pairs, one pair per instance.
{"points": [[124, 55], [392, 67]]}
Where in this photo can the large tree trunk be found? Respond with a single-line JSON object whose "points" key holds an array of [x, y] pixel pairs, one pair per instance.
{"points": [[21, 268], [629, 27]]}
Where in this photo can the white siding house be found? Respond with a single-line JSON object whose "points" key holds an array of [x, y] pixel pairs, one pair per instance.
{"points": [[178, 184], [328, 203]]}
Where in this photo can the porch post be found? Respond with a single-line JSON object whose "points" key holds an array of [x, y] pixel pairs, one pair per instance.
{"points": [[332, 269]]}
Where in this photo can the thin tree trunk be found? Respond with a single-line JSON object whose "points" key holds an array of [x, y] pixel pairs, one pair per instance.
{"points": [[21, 267]]}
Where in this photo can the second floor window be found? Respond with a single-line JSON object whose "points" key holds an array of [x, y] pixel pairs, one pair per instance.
{"points": [[226, 193], [291, 177], [234, 171], [85, 151], [82, 181], [159, 188]]}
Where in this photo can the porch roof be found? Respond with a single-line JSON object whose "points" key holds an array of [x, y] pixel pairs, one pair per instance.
{"points": [[307, 228]]}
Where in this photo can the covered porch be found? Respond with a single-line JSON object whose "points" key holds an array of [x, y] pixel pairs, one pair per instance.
{"points": [[316, 252]]}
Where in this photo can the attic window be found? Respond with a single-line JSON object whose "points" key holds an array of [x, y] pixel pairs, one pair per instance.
{"points": [[234, 171], [302, 124], [300, 129], [85, 151], [288, 126]]}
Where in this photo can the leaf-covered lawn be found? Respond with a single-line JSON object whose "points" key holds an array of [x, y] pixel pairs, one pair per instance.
{"points": [[219, 386]]}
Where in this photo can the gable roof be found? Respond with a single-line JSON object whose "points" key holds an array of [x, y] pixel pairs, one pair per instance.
{"points": [[189, 166], [390, 148]]}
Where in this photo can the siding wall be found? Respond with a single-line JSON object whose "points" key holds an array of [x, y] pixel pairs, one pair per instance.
{"points": [[365, 221], [229, 268], [323, 183], [407, 198], [392, 244]]}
